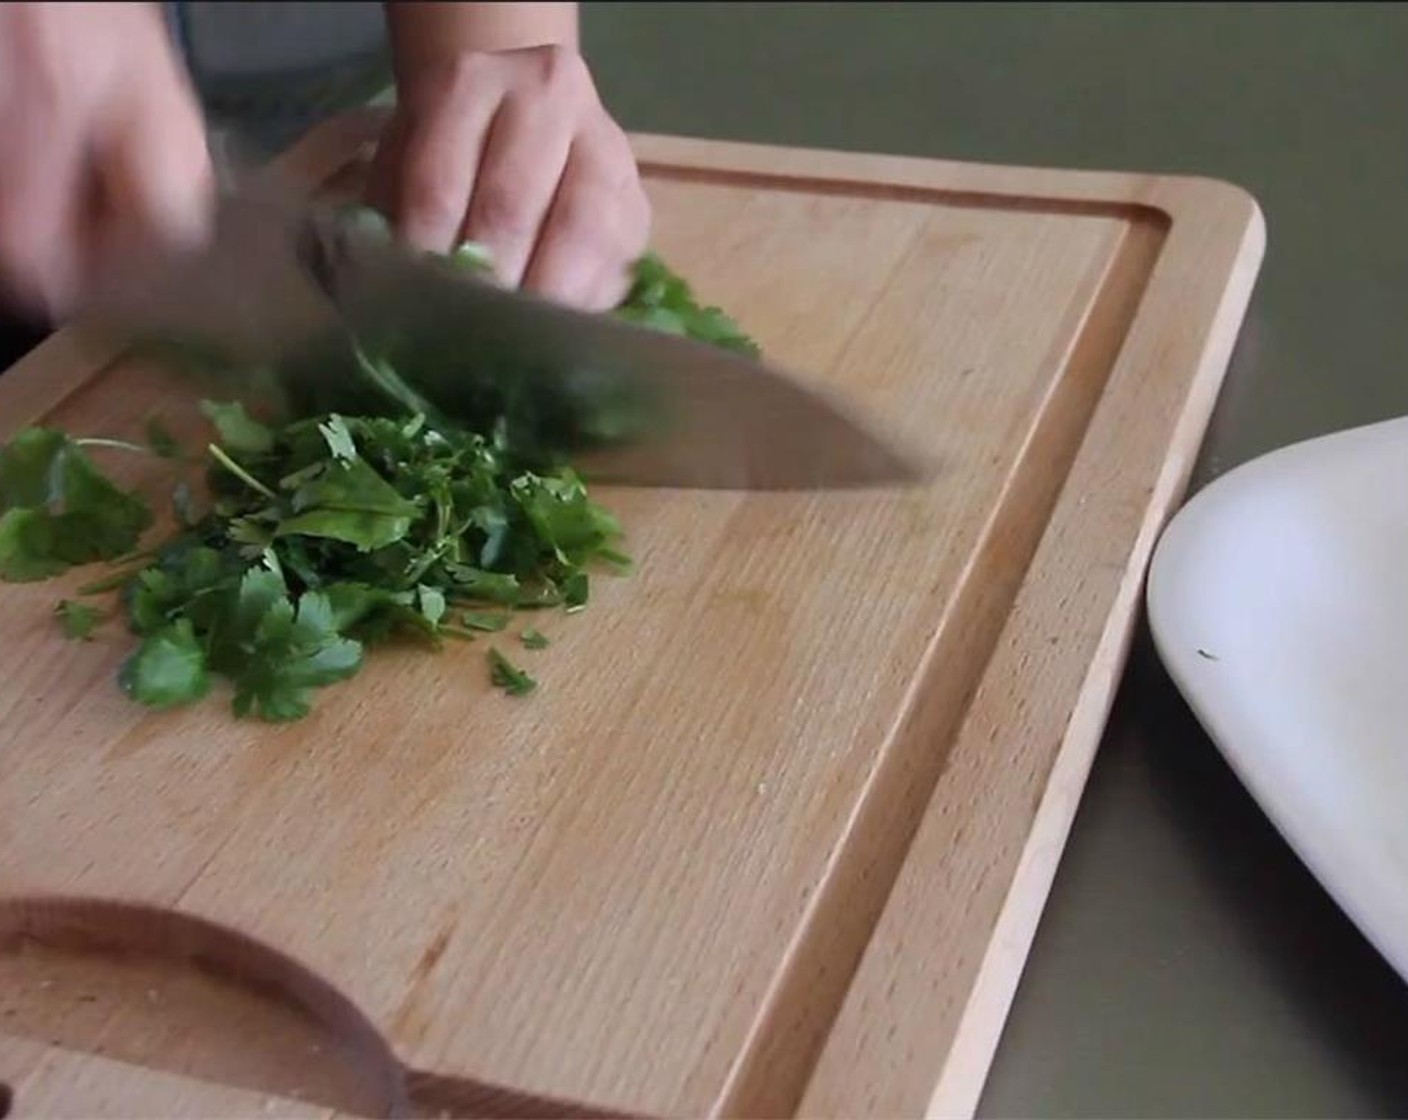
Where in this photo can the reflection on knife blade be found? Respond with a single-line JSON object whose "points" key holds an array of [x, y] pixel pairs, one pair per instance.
{"points": [[291, 288]]}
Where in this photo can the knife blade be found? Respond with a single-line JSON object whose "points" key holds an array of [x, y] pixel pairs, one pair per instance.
{"points": [[288, 287]]}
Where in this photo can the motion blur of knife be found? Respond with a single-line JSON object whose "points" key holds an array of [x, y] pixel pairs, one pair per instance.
{"points": [[285, 287]]}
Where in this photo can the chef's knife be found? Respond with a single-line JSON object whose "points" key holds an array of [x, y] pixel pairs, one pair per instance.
{"points": [[286, 287]]}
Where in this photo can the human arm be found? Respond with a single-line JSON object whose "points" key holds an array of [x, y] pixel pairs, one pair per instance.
{"points": [[102, 146]]}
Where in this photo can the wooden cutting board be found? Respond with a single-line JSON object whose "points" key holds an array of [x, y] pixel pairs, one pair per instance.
{"points": [[774, 832]]}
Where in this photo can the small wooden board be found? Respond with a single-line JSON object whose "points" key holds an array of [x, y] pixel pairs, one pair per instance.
{"points": [[774, 833]]}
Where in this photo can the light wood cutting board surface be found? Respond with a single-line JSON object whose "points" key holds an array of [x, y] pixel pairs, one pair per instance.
{"points": [[775, 829]]}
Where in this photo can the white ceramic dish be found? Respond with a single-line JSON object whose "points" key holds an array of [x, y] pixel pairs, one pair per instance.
{"points": [[1278, 600]]}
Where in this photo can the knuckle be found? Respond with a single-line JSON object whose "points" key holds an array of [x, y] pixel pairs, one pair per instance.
{"points": [[430, 198], [580, 215], [642, 222], [618, 202], [613, 225], [564, 72], [501, 209], [451, 81], [466, 69], [616, 157]]}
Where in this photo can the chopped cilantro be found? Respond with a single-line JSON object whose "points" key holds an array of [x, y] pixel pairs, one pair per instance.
{"points": [[662, 299], [77, 619], [489, 622], [59, 509], [507, 676], [238, 431], [339, 438], [167, 669], [318, 538]]}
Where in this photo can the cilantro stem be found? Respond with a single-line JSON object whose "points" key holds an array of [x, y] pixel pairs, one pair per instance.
{"points": [[239, 472], [116, 444], [112, 582], [140, 554], [442, 541]]}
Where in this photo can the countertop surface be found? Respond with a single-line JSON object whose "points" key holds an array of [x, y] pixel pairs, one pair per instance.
{"points": [[1186, 964]]}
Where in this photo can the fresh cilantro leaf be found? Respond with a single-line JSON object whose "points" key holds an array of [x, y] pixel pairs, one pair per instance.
{"points": [[339, 438], [168, 669], [290, 653], [351, 603], [99, 521], [660, 299], [488, 622], [60, 509], [432, 603], [507, 676], [185, 581], [573, 528], [78, 619], [350, 502], [31, 468], [27, 552], [576, 589], [495, 525], [489, 587], [239, 432], [261, 592], [532, 639], [657, 318]]}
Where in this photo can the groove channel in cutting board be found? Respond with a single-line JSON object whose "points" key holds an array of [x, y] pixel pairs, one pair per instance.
{"points": [[47, 1081], [645, 888]]}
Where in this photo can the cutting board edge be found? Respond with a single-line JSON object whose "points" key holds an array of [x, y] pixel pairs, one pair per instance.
{"points": [[1169, 195], [1199, 208], [1166, 195]]}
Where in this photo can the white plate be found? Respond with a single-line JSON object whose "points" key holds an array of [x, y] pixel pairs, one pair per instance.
{"points": [[1278, 600]]}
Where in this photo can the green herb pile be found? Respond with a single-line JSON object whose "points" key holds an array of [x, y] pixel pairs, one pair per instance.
{"points": [[315, 540]]}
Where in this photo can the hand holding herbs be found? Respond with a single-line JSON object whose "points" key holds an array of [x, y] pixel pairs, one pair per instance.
{"points": [[320, 539]]}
